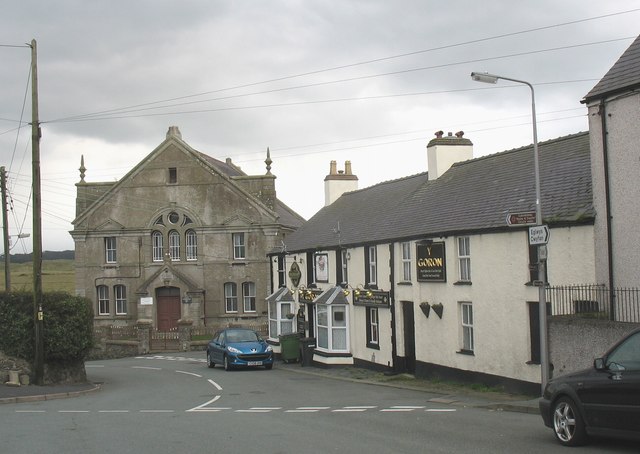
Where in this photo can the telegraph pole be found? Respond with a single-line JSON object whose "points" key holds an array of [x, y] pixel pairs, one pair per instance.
{"points": [[5, 224], [37, 227]]}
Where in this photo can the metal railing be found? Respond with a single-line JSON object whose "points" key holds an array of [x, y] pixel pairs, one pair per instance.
{"points": [[595, 301]]}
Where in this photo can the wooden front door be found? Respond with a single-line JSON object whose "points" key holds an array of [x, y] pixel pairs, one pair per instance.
{"points": [[168, 308], [409, 336]]}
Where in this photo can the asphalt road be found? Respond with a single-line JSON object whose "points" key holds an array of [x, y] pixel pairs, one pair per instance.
{"points": [[175, 404]]}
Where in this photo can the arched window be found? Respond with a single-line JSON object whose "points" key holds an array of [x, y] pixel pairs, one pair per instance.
{"points": [[174, 246], [103, 300], [158, 246], [231, 297], [192, 245]]}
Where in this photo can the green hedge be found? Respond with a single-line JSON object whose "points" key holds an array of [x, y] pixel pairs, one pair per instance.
{"points": [[68, 326]]}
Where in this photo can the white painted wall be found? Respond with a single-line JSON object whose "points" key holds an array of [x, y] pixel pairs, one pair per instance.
{"points": [[499, 272], [623, 136]]}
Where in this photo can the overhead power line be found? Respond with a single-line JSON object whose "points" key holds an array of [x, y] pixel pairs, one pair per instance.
{"points": [[366, 62]]}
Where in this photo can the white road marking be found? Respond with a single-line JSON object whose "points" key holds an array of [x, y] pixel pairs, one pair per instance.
{"points": [[113, 411], [253, 411], [313, 408], [215, 384], [145, 367], [189, 373], [345, 410], [157, 411], [443, 410], [204, 405], [302, 411], [94, 365], [397, 410], [73, 411], [30, 411]]}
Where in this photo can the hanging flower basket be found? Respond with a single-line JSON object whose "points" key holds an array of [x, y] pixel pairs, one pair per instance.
{"points": [[437, 308], [426, 309]]}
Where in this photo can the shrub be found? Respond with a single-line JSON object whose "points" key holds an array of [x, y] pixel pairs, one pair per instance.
{"points": [[67, 326]]}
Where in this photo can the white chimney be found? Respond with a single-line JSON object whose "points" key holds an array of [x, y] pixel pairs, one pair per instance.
{"points": [[338, 182], [443, 152]]}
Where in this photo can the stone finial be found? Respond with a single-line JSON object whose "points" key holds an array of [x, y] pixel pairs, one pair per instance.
{"points": [[174, 131], [268, 161], [82, 169]]}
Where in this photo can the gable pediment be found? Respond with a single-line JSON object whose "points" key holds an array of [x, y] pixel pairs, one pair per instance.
{"points": [[110, 224], [237, 220]]}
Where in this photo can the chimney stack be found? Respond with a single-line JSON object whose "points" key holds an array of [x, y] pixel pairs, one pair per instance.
{"points": [[338, 182], [443, 152]]}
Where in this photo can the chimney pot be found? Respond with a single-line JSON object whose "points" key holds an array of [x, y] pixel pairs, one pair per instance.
{"points": [[459, 134], [439, 134]]}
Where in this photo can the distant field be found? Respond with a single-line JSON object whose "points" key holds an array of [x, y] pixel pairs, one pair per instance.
{"points": [[56, 275]]}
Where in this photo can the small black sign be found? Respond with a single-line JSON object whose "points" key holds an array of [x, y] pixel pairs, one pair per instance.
{"points": [[431, 262], [368, 297]]}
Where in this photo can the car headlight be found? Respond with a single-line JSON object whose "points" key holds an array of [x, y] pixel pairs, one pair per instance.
{"points": [[233, 350], [269, 348]]}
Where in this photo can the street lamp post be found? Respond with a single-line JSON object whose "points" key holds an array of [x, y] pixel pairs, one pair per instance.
{"points": [[542, 305]]}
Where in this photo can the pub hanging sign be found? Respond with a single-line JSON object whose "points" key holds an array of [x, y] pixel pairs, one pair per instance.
{"points": [[430, 262]]}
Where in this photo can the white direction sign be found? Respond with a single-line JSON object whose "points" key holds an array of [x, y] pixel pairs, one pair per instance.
{"points": [[538, 234]]}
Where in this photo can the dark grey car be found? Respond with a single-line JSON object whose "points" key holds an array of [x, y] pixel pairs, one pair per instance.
{"points": [[602, 401]]}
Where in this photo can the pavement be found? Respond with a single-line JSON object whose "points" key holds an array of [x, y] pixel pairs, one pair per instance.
{"points": [[444, 392]]}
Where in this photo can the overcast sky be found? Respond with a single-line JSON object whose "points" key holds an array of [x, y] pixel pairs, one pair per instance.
{"points": [[368, 81]]}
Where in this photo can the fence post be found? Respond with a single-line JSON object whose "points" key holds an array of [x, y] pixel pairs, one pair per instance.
{"points": [[144, 336], [184, 334]]}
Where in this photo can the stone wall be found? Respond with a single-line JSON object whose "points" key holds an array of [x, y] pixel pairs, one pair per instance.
{"points": [[575, 342]]}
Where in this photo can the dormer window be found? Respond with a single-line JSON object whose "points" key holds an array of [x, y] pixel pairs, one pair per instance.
{"points": [[173, 175]]}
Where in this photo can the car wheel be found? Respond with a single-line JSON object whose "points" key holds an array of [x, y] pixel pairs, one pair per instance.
{"points": [[227, 366], [269, 366], [210, 363], [568, 425]]}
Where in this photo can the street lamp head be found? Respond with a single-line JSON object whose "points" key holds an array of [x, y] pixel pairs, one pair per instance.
{"points": [[484, 77]]}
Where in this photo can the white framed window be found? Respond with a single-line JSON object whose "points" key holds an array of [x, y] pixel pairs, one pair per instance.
{"points": [[279, 323], [103, 300], [344, 258], [373, 327], [157, 243], [249, 296], [373, 265], [406, 261], [191, 240], [466, 319], [120, 294], [464, 259], [174, 246], [231, 297], [238, 246], [110, 255], [331, 327]]}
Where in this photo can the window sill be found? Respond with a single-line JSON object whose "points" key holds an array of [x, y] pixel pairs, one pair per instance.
{"points": [[405, 283], [373, 346], [533, 363], [462, 283], [466, 352]]}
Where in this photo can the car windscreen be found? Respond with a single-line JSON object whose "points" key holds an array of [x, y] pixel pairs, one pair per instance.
{"points": [[242, 336]]}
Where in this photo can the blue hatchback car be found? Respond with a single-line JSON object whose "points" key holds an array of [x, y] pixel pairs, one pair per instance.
{"points": [[239, 347]]}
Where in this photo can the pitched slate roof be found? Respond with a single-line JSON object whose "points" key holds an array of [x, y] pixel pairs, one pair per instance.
{"points": [[624, 75], [472, 196]]}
